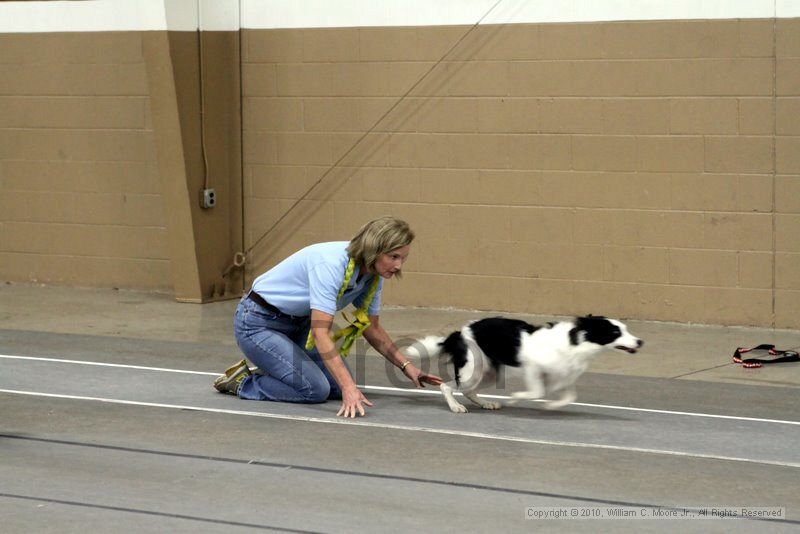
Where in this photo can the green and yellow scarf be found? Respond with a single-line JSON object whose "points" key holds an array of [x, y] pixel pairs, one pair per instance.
{"points": [[360, 320]]}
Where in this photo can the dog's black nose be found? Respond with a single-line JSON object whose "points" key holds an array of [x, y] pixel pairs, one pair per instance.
{"points": [[639, 343]]}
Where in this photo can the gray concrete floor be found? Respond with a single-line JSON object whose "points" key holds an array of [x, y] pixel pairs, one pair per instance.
{"points": [[142, 443]]}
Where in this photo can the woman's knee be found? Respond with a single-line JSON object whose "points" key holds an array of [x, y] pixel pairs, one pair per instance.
{"points": [[316, 391], [275, 354]]}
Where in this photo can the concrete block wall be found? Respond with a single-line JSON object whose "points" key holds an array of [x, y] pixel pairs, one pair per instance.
{"points": [[637, 169], [635, 158], [787, 171], [107, 136], [80, 197]]}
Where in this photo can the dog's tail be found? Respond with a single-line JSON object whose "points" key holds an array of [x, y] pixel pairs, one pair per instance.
{"points": [[428, 347]]}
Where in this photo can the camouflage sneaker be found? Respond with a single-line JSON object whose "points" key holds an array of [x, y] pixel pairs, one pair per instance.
{"points": [[231, 381]]}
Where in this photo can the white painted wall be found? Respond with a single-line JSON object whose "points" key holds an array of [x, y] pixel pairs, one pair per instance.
{"points": [[338, 13], [118, 15], [226, 15]]}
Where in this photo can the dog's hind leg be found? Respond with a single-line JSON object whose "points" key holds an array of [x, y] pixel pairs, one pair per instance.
{"points": [[568, 396], [455, 406], [486, 405]]}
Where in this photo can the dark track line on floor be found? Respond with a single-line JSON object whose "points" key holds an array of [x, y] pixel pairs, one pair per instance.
{"points": [[690, 373], [399, 478], [153, 513]]}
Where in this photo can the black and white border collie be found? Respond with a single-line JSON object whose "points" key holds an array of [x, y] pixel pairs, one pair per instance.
{"points": [[551, 357]]}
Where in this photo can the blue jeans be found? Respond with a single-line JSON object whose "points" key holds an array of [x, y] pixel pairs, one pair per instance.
{"points": [[273, 342]]}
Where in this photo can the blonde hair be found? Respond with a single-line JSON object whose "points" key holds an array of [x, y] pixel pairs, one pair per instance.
{"points": [[377, 237]]}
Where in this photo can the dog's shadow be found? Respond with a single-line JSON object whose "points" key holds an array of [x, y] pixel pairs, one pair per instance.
{"points": [[528, 410], [534, 410]]}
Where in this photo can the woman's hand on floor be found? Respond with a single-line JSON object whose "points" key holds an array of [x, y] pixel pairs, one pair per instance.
{"points": [[352, 400]]}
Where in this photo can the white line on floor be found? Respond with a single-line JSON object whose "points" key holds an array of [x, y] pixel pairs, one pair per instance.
{"points": [[104, 364], [418, 391], [358, 422], [610, 407]]}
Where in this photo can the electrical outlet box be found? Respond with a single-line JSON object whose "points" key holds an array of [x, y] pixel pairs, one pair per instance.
{"points": [[208, 198]]}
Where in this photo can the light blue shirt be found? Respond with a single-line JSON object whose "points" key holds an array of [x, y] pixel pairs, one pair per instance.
{"points": [[311, 278]]}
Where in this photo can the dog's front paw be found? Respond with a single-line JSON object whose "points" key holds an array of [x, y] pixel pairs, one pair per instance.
{"points": [[555, 405], [491, 405], [458, 408], [525, 395]]}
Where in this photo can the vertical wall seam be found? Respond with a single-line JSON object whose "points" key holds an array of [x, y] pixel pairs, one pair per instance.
{"points": [[242, 175], [201, 76], [774, 161]]}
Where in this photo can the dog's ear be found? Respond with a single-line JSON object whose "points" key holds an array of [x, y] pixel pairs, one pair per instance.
{"points": [[591, 317], [577, 336]]}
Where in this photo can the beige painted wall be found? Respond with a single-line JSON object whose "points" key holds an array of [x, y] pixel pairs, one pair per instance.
{"points": [[102, 162], [641, 169], [80, 196]]}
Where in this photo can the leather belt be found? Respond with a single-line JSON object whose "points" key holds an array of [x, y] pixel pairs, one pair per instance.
{"points": [[258, 299]]}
